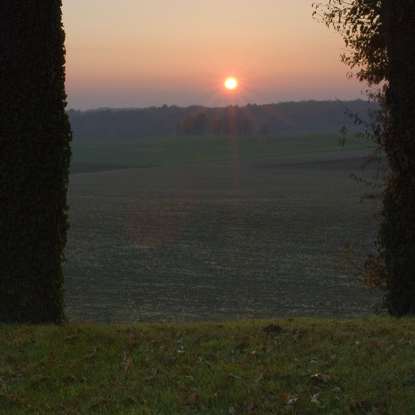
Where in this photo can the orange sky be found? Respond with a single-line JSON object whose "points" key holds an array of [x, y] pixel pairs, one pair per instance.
{"points": [[139, 53]]}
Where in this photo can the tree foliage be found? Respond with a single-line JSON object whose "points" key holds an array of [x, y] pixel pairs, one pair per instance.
{"points": [[35, 153], [380, 36], [397, 233], [360, 24]]}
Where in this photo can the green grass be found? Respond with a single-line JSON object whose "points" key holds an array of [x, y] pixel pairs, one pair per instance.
{"points": [[293, 366]]}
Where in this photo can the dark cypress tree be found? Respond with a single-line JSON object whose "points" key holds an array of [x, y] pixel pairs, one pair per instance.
{"points": [[34, 161]]}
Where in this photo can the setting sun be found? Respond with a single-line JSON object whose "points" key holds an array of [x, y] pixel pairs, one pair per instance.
{"points": [[231, 83]]}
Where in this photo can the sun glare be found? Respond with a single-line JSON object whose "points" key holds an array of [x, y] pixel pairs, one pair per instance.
{"points": [[231, 83]]}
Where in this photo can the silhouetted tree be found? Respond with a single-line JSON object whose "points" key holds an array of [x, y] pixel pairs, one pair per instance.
{"points": [[397, 235], [380, 35], [35, 153]]}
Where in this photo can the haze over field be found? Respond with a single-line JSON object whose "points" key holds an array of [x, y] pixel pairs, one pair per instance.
{"points": [[126, 53]]}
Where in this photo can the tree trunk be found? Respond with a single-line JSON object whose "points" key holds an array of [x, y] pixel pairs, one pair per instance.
{"points": [[34, 161], [398, 227]]}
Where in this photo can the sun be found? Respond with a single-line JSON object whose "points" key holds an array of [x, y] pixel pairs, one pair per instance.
{"points": [[231, 83]]}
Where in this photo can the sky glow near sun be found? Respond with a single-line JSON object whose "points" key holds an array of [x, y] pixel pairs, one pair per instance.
{"points": [[124, 53]]}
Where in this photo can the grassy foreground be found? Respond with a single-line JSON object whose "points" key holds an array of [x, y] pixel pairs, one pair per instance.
{"points": [[298, 366]]}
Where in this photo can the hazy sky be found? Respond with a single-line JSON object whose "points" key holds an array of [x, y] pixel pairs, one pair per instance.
{"points": [[152, 52]]}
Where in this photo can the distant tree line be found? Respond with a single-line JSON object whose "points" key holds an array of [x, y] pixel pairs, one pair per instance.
{"points": [[290, 118], [227, 121]]}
